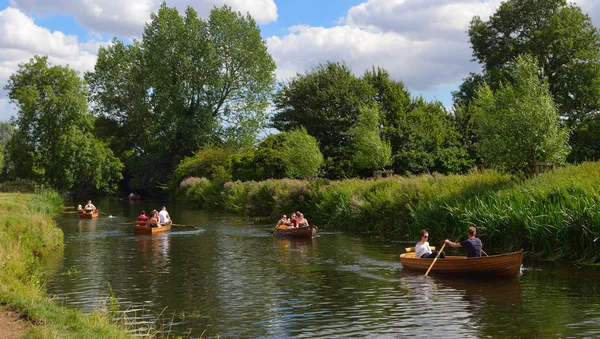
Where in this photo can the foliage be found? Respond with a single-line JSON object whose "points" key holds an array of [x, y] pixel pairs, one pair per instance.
{"points": [[430, 142], [53, 143], [213, 163], [566, 46], [190, 82], [326, 102], [293, 154], [304, 159], [518, 124], [371, 153]]}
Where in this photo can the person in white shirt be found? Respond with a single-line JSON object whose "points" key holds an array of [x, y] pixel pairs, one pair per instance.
{"points": [[422, 249], [164, 216], [90, 207]]}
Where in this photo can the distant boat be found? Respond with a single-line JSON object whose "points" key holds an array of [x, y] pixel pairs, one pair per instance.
{"points": [[296, 232], [501, 265], [88, 215], [142, 228]]}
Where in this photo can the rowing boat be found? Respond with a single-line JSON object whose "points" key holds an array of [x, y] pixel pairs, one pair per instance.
{"points": [[88, 215], [296, 232], [500, 265], [142, 228]]}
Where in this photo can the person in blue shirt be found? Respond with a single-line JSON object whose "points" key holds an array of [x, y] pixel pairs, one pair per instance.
{"points": [[472, 245]]}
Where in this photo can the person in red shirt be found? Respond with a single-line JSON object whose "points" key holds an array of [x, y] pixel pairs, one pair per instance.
{"points": [[143, 217], [294, 220]]}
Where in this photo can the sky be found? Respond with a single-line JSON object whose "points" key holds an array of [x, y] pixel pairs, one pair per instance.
{"points": [[422, 43]]}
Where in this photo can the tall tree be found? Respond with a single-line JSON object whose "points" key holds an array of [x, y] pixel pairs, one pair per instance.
{"points": [[54, 142], [326, 102], [519, 124], [566, 46], [371, 153], [188, 83]]}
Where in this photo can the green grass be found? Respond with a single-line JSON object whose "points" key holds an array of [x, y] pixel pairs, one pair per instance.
{"points": [[27, 233], [555, 215]]}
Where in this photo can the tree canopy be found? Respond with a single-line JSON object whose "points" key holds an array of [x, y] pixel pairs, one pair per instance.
{"points": [[188, 83], [519, 124], [54, 142]]}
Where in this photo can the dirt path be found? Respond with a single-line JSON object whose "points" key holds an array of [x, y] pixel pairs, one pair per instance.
{"points": [[11, 326]]}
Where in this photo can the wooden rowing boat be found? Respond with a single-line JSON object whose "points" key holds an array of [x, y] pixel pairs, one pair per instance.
{"points": [[87, 215], [296, 232], [500, 265], [142, 228]]}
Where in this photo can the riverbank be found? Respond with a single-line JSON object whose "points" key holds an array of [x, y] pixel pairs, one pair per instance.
{"points": [[555, 215], [28, 232]]}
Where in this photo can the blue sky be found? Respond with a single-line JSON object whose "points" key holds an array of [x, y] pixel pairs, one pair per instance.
{"points": [[420, 42]]}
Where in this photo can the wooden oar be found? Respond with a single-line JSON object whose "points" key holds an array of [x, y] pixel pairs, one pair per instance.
{"points": [[180, 225], [75, 212], [436, 258], [127, 222], [482, 251]]}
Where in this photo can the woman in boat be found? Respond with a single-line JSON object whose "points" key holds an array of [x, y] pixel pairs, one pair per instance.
{"points": [[422, 249], [294, 221], [79, 209], [301, 221], [284, 221], [472, 244], [142, 217], [154, 220]]}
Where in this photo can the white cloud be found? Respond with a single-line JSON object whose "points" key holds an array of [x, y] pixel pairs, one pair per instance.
{"points": [[421, 64], [22, 39], [422, 43], [127, 18]]}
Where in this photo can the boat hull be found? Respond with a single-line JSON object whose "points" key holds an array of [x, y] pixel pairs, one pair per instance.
{"points": [[296, 232], [85, 215], [502, 265], [142, 228]]}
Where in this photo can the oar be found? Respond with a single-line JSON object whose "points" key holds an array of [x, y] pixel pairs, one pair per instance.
{"points": [[127, 222], [435, 259], [110, 215], [482, 251], [75, 212], [180, 225]]}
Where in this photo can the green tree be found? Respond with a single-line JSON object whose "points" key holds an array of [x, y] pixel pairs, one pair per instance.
{"points": [[519, 123], [430, 142], [54, 142], [188, 83], [213, 163], [326, 102], [304, 159], [566, 46], [6, 132], [371, 153]]}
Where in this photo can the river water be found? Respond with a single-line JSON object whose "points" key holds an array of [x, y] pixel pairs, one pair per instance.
{"points": [[229, 277]]}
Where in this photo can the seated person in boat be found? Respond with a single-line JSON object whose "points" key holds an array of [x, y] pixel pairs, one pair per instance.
{"points": [[154, 220], [164, 216], [284, 222], [79, 209], [301, 221], [472, 245], [90, 208], [294, 220], [422, 248], [131, 195], [143, 217]]}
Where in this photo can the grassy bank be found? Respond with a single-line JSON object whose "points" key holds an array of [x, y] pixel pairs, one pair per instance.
{"points": [[554, 215], [27, 233]]}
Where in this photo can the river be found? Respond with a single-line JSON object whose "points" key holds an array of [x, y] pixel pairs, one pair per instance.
{"points": [[229, 277]]}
